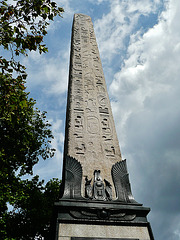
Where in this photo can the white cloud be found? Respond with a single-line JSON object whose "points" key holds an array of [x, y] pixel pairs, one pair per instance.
{"points": [[51, 73], [151, 69], [68, 10], [177, 231], [146, 109], [113, 29], [97, 1]]}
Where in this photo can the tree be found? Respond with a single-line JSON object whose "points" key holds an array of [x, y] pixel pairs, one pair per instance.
{"points": [[22, 28], [32, 215], [25, 133]]}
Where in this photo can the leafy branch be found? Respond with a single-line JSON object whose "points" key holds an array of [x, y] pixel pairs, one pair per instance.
{"points": [[23, 27]]}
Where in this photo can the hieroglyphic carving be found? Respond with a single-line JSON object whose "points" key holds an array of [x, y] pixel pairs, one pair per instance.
{"points": [[93, 125], [78, 122], [90, 95], [90, 105], [91, 132], [80, 147], [107, 136], [102, 100]]}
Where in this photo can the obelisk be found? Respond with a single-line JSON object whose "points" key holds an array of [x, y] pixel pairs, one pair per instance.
{"points": [[90, 131], [96, 200]]}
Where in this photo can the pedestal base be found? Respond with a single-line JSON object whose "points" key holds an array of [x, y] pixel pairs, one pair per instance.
{"points": [[67, 231], [92, 220]]}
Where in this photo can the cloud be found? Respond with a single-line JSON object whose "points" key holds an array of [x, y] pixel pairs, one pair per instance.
{"points": [[146, 109], [68, 9], [48, 72], [150, 73], [97, 1], [113, 29]]}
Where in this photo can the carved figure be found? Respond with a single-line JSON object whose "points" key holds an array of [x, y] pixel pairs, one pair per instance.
{"points": [[120, 178], [98, 187], [88, 188], [108, 190], [98, 191]]}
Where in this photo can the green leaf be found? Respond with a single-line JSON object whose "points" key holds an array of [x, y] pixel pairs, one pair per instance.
{"points": [[46, 9]]}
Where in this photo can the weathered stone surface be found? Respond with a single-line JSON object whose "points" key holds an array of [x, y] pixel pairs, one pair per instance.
{"points": [[90, 131], [102, 231]]}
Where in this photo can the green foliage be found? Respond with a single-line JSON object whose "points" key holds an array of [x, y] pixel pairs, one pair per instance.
{"points": [[24, 131], [23, 26], [32, 211]]}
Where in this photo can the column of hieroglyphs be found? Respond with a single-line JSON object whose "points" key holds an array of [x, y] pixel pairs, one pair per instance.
{"points": [[91, 135]]}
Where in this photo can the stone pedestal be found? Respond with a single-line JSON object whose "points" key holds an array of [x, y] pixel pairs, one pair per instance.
{"points": [[82, 231], [101, 220]]}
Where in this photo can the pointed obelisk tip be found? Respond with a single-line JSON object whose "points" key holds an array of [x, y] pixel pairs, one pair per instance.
{"points": [[77, 15]]}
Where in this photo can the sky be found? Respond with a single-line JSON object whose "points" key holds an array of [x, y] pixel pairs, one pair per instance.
{"points": [[139, 44]]}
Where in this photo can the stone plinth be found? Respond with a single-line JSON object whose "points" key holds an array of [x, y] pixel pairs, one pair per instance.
{"points": [[87, 219], [66, 231]]}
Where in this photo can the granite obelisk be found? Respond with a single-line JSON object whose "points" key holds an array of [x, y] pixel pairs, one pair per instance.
{"points": [[96, 199], [90, 132]]}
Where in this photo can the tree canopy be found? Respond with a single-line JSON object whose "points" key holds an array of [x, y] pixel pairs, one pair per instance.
{"points": [[25, 134], [23, 25], [32, 212]]}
